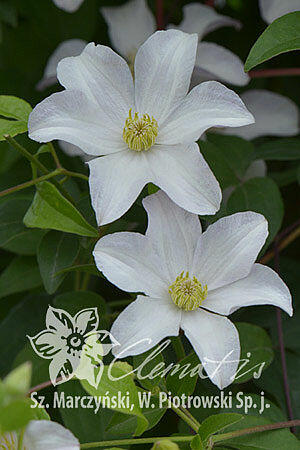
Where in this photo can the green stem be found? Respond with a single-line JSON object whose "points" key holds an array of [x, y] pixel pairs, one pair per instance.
{"points": [[27, 184], [187, 419], [178, 347], [135, 441], [272, 426], [68, 173], [37, 163], [85, 281], [54, 155]]}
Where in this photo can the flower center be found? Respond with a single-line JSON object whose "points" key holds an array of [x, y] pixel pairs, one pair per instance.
{"points": [[140, 133], [187, 293], [9, 441]]}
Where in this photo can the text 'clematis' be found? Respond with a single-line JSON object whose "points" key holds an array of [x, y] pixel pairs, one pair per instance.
{"points": [[191, 280], [147, 129]]}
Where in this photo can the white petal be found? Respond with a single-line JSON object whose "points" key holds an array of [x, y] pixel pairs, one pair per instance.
{"points": [[68, 5], [257, 169], [128, 261], [173, 233], [275, 115], [163, 69], [143, 324], [208, 105], [115, 182], [72, 117], [202, 19], [104, 77], [261, 287], [71, 47], [216, 342], [73, 150], [229, 247], [272, 9], [129, 26], [214, 62], [184, 175], [47, 435]]}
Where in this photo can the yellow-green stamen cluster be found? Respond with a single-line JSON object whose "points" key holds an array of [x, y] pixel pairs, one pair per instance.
{"points": [[140, 133], [9, 441], [187, 293]]}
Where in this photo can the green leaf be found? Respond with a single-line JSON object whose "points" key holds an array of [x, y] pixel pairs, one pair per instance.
{"points": [[22, 274], [18, 380], [279, 150], [14, 236], [17, 112], [50, 210], [260, 195], [15, 415], [147, 362], [152, 188], [56, 251], [197, 443], [256, 348], [75, 301], [217, 422], [267, 440], [228, 157], [8, 13], [120, 423], [112, 389], [283, 35], [183, 380], [86, 268]]}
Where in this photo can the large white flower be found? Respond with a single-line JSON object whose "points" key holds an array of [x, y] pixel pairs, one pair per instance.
{"points": [[131, 24], [275, 115], [273, 9], [147, 130], [191, 281], [41, 435], [68, 5]]}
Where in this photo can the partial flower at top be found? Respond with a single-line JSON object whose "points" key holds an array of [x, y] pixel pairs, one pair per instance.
{"points": [[275, 115], [71, 47], [273, 9], [191, 281], [41, 435], [147, 130], [131, 24], [68, 5]]}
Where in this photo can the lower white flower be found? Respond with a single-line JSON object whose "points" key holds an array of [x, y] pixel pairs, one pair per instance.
{"points": [[68, 5], [275, 115], [191, 281], [273, 9], [40, 435]]}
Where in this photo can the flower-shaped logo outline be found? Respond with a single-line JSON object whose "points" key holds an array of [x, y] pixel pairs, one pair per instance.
{"points": [[73, 344]]}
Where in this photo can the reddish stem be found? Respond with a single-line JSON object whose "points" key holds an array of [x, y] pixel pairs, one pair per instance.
{"points": [[210, 3], [267, 73], [281, 344], [160, 15]]}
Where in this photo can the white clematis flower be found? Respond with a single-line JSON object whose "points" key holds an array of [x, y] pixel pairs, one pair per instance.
{"points": [[147, 130], [131, 24], [275, 115], [273, 9], [41, 435], [68, 5], [191, 281], [257, 169]]}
